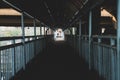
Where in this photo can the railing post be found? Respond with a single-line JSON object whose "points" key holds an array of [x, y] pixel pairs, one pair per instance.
{"points": [[118, 40], [13, 58], [112, 54], [99, 57]]}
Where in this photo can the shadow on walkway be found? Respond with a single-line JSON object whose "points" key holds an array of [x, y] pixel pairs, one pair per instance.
{"points": [[58, 62]]}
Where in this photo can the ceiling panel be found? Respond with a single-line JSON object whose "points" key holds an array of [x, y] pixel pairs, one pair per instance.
{"points": [[55, 13]]}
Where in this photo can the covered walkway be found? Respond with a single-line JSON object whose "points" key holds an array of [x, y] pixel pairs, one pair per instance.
{"points": [[58, 61], [90, 30]]}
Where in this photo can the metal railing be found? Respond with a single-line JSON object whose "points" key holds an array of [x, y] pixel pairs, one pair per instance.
{"points": [[103, 53], [16, 55]]}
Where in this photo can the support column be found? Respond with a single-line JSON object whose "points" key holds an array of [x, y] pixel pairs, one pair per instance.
{"points": [[40, 29], [44, 38], [118, 40], [34, 24], [90, 37], [80, 48], [23, 40], [0, 65], [44, 31]]}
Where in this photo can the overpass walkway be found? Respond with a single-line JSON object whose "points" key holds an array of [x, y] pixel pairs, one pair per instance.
{"points": [[58, 61]]}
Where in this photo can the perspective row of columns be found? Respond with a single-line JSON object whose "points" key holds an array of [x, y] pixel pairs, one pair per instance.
{"points": [[90, 37]]}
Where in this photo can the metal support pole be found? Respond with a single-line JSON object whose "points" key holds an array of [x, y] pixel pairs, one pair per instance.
{"points": [[34, 24], [90, 37], [0, 65], [6, 1], [80, 34], [44, 31], [40, 30], [44, 37], [118, 40], [23, 40]]}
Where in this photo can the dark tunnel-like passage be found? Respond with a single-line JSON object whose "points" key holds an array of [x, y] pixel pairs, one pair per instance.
{"points": [[59, 39], [58, 61]]}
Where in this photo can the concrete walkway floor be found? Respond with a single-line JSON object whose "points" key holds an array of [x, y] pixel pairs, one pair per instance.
{"points": [[58, 61]]}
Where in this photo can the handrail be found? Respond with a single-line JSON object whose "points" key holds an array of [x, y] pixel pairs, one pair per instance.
{"points": [[104, 36], [101, 36], [105, 45], [13, 45], [9, 46], [18, 37], [16, 44]]}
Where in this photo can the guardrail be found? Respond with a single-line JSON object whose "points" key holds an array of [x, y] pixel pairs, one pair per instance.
{"points": [[15, 55], [103, 53]]}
